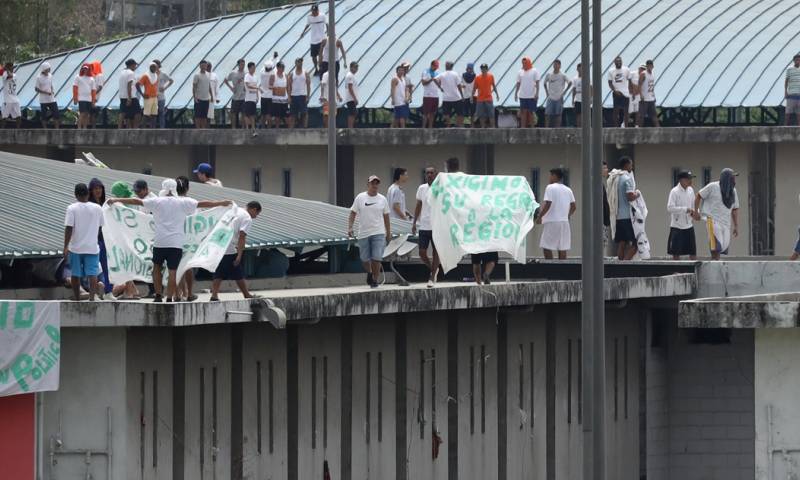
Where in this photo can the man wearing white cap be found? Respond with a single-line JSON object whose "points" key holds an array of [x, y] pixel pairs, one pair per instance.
{"points": [[47, 99], [374, 230], [266, 94]]}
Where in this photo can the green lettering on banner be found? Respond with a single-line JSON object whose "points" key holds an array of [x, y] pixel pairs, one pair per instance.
{"points": [[3, 376], [140, 246], [222, 237], [485, 231], [499, 183], [436, 188], [23, 317], [454, 234], [53, 333], [21, 368], [516, 182], [3, 315]]}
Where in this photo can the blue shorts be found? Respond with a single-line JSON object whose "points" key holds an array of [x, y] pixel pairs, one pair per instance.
{"points": [[84, 264], [298, 105], [402, 111], [554, 107], [372, 247], [528, 103]]}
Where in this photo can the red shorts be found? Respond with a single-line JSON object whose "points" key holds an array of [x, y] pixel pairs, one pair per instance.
{"points": [[430, 104]]}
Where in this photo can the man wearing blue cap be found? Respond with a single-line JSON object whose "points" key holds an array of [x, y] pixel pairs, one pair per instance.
{"points": [[205, 174]]}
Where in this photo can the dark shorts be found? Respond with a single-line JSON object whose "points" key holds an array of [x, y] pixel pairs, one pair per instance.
{"points": [[83, 107], [425, 239], [250, 109], [352, 110], [50, 110], [130, 111], [528, 104], [323, 67], [201, 108], [468, 107], [577, 107], [453, 108], [280, 110], [170, 255], [315, 47], [226, 270], [402, 111], [299, 105], [484, 258], [236, 106], [430, 104], [681, 242], [266, 106], [621, 101], [647, 109], [624, 232]]}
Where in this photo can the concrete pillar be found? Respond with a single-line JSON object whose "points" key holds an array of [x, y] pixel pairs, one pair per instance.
{"points": [[761, 178], [480, 160]]}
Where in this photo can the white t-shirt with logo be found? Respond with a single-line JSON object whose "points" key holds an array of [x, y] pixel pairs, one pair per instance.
{"points": [[527, 83], [250, 94], [85, 218], [430, 90], [169, 214], [350, 79], [317, 28], [395, 194], [241, 223], [85, 86], [45, 84], [424, 220], [127, 76], [10, 88], [649, 87], [560, 197], [370, 211], [450, 81], [619, 78]]}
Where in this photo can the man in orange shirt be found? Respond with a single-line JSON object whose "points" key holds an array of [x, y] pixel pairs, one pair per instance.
{"points": [[149, 81], [484, 86]]}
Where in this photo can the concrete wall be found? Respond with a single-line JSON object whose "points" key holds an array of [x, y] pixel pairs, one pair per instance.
{"points": [[787, 214], [730, 279], [776, 392]]}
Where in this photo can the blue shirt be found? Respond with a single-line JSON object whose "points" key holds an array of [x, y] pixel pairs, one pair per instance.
{"points": [[624, 185]]}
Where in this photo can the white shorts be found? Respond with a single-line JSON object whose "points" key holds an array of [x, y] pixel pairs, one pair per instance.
{"points": [[633, 104], [556, 236], [211, 104], [11, 110]]}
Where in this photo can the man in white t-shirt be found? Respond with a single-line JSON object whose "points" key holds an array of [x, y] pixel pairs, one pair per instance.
{"points": [[266, 94], [558, 206], [47, 99], [431, 85], [81, 251], [619, 83], [129, 109], [396, 195], [636, 94], [84, 95], [452, 96], [577, 92], [251, 97], [11, 108], [319, 28], [556, 85], [205, 174], [718, 203], [230, 267], [422, 226], [647, 87], [323, 98], [169, 215], [527, 92], [374, 229], [351, 94]]}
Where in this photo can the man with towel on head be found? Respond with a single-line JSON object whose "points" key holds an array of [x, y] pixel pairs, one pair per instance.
{"points": [[720, 208]]}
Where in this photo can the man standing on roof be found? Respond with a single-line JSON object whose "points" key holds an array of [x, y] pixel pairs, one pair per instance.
{"points": [[201, 94], [452, 96], [374, 229], [527, 91], [619, 83], [205, 174], [422, 221], [341, 55], [81, 250], [280, 98], [213, 80], [484, 86], [396, 195], [323, 99], [681, 213], [129, 109], [266, 94], [164, 82], [251, 97], [47, 99], [235, 82], [647, 87], [351, 94], [319, 28], [230, 267], [84, 94], [99, 82], [431, 85], [556, 85], [399, 98], [299, 83], [622, 191], [791, 90], [559, 205], [468, 81], [636, 95], [169, 215], [577, 100], [720, 207], [149, 83]]}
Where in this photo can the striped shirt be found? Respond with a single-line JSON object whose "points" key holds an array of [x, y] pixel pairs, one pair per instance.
{"points": [[793, 84]]}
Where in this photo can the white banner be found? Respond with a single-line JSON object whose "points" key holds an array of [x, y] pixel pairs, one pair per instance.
{"points": [[128, 234], [480, 213], [30, 346]]}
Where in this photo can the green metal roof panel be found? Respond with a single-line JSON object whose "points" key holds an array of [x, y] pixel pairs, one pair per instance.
{"points": [[37, 191]]}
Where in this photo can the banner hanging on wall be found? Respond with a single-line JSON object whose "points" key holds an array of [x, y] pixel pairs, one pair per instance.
{"points": [[30, 346]]}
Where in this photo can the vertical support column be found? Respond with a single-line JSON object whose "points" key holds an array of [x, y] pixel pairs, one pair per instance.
{"points": [[480, 159], [293, 395], [345, 170], [550, 415], [452, 392], [401, 370], [761, 189], [178, 401], [347, 398], [237, 404], [502, 397]]}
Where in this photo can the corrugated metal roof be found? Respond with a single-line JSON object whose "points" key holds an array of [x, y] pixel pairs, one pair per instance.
{"points": [[36, 192], [706, 52]]}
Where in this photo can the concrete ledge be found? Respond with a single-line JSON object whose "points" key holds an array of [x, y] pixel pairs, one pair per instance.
{"points": [[386, 136], [780, 310], [304, 304]]}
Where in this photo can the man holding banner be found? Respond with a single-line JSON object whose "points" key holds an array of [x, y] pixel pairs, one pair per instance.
{"points": [[169, 215], [230, 267], [422, 221]]}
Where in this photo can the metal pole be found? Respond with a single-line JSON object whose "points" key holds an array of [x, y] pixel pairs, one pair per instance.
{"points": [[587, 272], [333, 84]]}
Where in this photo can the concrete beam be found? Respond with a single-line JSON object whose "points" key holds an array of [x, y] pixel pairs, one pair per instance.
{"points": [[303, 304], [388, 137], [781, 310]]}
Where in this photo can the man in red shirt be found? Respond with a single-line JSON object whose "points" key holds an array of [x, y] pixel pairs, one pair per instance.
{"points": [[484, 86]]}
